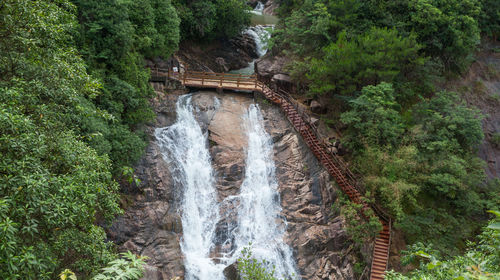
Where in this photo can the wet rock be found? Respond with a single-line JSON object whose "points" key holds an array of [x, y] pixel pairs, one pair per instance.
{"points": [[231, 272], [268, 66], [317, 108], [318, 239], [219, 55]]}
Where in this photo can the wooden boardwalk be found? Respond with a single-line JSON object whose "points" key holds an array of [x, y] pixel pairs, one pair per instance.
{"points": [[303, 125]]}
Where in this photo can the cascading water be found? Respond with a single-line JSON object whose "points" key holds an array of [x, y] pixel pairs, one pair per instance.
{"points": [[258, 8], [184, 146], [259, 208], [260, 34]]}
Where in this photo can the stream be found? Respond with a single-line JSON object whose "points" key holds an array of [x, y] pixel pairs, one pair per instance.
{"points": [[260, 31]]}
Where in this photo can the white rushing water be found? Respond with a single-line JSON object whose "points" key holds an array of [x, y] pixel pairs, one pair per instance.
{"points": [[185, 148], [260, 34], [259, 8], [259, 221]]}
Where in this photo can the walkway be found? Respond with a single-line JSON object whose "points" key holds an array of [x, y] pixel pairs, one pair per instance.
{"points": [[302, 123]]}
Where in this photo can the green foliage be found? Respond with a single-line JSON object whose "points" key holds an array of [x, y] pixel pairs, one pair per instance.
{"points": [[424, 175], [156, 27], [52, 184], [209, 19], [489, 18], [232, 17], [375, 56], [127, 268], [305, 29], [481, 261], [359, 229], [374, 118], [113, 36], [366, 42], [167, 25], [448, 30], [250, 268], [495, 139], [446, 124]]}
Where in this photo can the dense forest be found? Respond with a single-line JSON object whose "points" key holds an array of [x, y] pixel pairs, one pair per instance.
{"points": [[380, 64], [74, 95]]}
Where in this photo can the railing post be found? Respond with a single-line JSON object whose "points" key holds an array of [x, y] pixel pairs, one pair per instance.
{"points": [[221, 78], [184, 77], [238, 81]]}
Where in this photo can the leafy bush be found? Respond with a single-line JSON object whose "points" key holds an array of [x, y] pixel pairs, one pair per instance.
{"points": [[374, 118], [481, 261], [127, 268], [489, 18], [252, 269], [376, 56]]}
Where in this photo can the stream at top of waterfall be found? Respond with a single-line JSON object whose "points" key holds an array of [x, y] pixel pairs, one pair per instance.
{"points": [[260, 31]]}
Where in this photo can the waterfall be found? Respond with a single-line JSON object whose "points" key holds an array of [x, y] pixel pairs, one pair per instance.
{"points": [[260, 34], [259, 209], [184, 146], [258, 8]]}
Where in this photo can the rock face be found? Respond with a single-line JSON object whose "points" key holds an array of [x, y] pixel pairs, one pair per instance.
{"points": [[152, 225], [269, 65], [480, 87], [218, 56], [271, 69], [270, 7]]}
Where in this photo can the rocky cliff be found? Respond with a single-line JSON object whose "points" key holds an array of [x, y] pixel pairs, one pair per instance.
{"points": [[151, 226], [480, 87]]}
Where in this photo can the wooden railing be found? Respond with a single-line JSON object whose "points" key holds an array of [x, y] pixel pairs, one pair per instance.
{"points": [[303, 124]]}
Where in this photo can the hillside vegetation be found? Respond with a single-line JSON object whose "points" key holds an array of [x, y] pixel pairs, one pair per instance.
{"points": [[412, 143], [73, 95]]}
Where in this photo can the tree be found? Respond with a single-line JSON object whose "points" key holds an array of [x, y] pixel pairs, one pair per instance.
{"points": [[489, 18], [349, 64], [447, 30], [52, 184], [374, 118], [211, 19]]}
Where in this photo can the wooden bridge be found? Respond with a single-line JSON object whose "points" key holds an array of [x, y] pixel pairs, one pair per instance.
{"points": [[302, 123]]}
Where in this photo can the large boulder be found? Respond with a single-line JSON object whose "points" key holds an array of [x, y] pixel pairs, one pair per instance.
{"points": [[269, 65], [317, 108]]}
